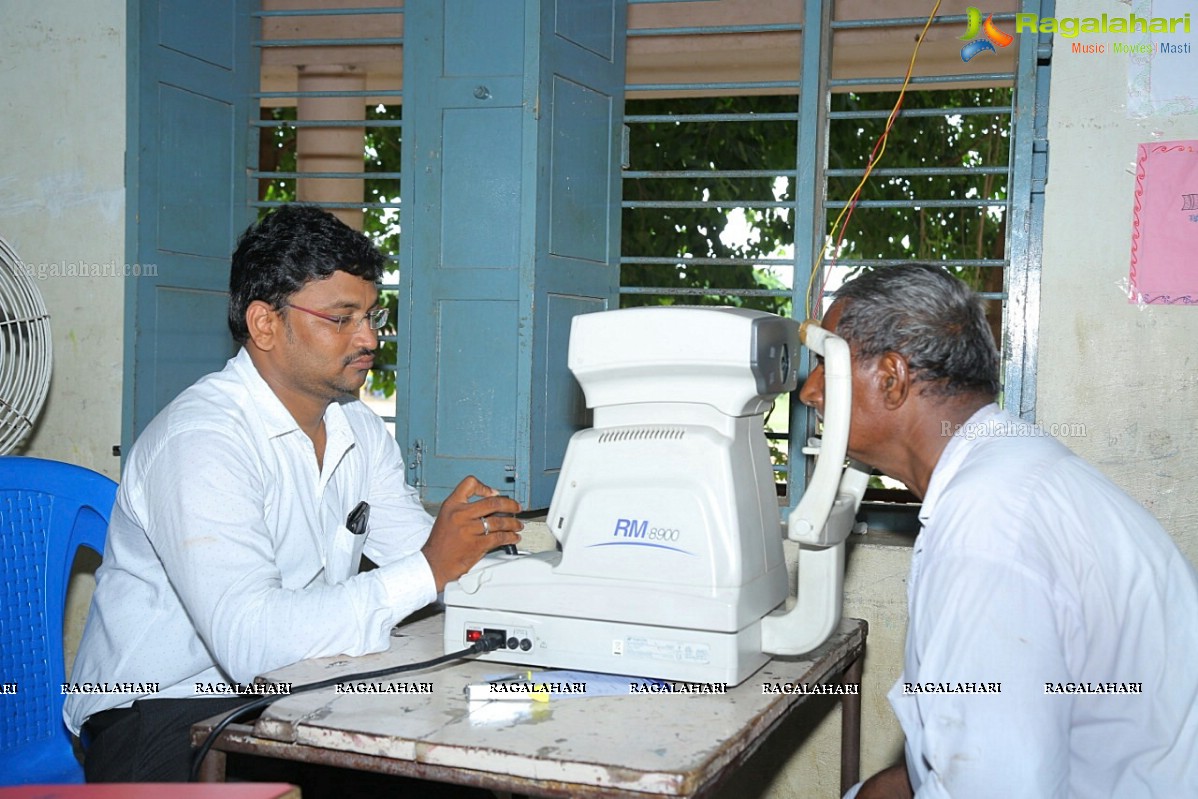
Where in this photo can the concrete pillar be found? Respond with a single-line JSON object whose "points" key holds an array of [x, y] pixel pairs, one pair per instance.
{"points": [[331, 149]]}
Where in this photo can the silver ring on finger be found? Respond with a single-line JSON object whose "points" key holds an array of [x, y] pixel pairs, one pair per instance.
{"points": [[486, 526]]}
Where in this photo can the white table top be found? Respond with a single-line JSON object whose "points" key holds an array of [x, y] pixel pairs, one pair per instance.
{"points": [[673, 744]]}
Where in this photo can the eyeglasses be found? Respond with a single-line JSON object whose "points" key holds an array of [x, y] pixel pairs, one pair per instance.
{"points": [[376, 318]]}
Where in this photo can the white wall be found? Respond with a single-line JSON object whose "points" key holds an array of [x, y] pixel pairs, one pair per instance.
{"points": [[1129, 374], [62, 202]]}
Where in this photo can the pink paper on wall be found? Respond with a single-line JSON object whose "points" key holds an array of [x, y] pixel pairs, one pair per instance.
{"points": [[1164, 236]]}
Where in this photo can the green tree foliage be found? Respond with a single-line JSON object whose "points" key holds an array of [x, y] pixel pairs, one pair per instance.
{"points": [[972, 133], [382, 225], [685, 233]]}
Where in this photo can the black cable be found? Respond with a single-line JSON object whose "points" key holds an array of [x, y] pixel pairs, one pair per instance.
{"points": [[482, 645]]}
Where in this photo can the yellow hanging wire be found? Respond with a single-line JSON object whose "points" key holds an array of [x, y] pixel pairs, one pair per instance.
{"points": [[846, 213]]}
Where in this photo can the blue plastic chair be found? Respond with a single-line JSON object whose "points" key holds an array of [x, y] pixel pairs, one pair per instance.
{"points": [[47, 511]]}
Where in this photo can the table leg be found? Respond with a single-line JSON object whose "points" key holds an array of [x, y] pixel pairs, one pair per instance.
{"points": [[213, 767], [850, 728]]}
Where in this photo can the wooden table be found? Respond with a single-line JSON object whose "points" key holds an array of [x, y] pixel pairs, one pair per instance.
{"points": [[644, 745]]}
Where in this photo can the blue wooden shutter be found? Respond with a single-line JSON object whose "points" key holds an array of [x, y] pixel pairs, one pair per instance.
{"points": [[191, 72], [512, 119]]}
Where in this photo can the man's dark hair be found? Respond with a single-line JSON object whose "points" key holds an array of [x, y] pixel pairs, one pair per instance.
{"points": [[928, 316], [288, 248]]}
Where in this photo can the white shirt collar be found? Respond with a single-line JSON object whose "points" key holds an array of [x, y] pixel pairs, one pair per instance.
{"points": [[962, 442], [277, 420]]}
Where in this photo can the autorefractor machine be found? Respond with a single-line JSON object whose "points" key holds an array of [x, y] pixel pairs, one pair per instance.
{"points": [[670, 563]]}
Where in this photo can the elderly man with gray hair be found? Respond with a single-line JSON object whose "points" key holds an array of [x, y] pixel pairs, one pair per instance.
{"points": [[1053, 624]]}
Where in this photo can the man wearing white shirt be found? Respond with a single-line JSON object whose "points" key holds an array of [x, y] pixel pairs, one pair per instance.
{"points": [[1052, 630], [227, 554]]}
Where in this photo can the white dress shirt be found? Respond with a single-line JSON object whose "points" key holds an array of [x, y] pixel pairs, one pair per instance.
{"points": [[1035, 572], [227, 554]]}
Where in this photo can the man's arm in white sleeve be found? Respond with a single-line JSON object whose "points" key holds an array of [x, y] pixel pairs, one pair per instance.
{"points": [[399, 524]]}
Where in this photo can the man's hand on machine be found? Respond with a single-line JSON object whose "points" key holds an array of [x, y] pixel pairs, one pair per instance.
{"points": [[468, 528]]}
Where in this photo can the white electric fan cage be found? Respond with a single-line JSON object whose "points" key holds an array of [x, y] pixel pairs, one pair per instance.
{"points": [[25, 353]]}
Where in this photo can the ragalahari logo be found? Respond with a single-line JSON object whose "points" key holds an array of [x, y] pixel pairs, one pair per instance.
{"points": [[991, 35]]}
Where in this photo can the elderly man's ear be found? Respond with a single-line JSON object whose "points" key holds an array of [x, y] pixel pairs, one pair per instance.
{"points": [[892, 379]]}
